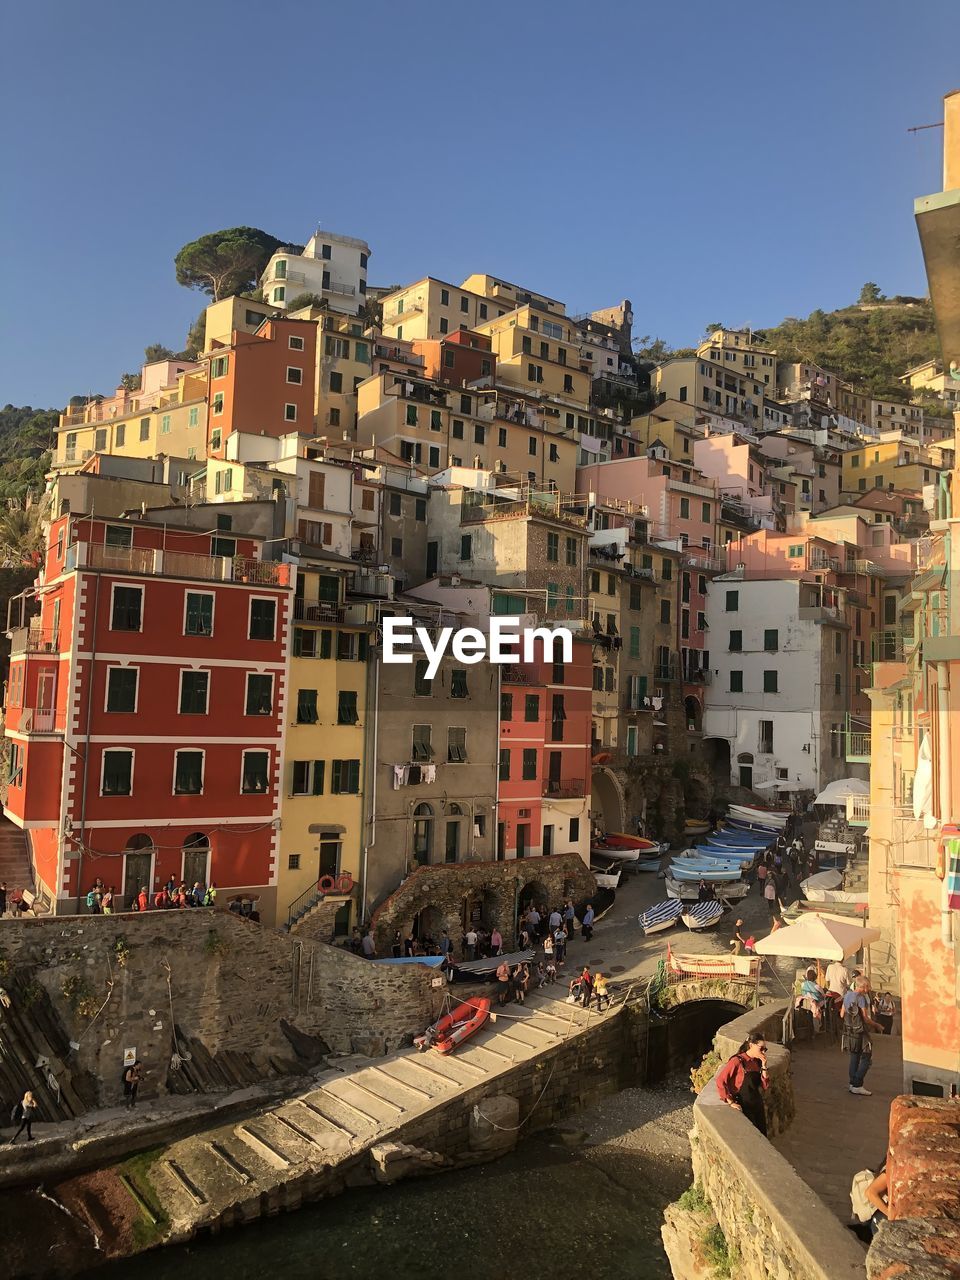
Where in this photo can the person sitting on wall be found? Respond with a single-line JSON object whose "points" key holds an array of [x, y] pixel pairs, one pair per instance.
{"points": [[812, 997], [743, 1078]]}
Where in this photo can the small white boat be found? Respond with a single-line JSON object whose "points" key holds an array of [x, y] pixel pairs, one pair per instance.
{"points": [[607, 877], [614, 854], [702, 915], [747, 813], [662, 916], [829, 879]]}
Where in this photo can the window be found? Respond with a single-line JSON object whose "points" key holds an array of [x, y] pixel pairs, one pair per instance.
{"points": [[165, 425], [736, 682], [226, 547], [529, 767], [553, 546], [219, 366], [667, 570], [188, 773], [444, 297], [464, 304], [117, 778], [706, 514], [307, 712], [701, 621], [771, 640], [218, 403], [684, 508], [289, 413], [436, 420], [253, 777], [837, 684], [466, 543], [422, 687], [770, 682], [307, 778], [145, 425], [506, 707], [664, 610], [263, 619], [122, 688], [194, 692], [504, 769], [557, 716], [127, 611], [457, 429], [458, 683], [259, 695], [118, 535], [732, 601], [215, 438], [347, 707], [193, 417], [765, 742], [456, 746], [532, 446], [531, 708], [345, 778], [796, 552], [336, 382], [294, 343], [554, 453], [634, 642], [501, 437], [120, 435], [422, 742]]}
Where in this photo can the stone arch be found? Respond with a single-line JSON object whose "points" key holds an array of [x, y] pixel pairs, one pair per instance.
{"points": [[716, 752], [533, 893], [482, 906], [607, 807]]}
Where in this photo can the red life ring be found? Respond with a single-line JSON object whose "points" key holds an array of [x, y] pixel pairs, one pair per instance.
{"points": [[327, 884], [344, 882]]}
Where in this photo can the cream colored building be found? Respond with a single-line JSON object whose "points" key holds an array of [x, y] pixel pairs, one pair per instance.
{"points": [[430, 308]]}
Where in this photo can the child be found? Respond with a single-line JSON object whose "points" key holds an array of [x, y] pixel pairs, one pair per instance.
{"points": [[541, 975]]}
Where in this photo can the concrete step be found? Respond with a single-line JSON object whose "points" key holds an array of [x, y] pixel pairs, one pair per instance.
{"points": [[354, 1124], [363, 1100], [322, 1131]]}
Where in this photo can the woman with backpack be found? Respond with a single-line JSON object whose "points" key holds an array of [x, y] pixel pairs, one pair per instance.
{"points": [[26, 1112], [741, 1081]]}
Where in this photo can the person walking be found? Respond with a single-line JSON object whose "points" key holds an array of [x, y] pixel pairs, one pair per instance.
{"points": [[131, 1082], [368, 946], [743, 1078], [772, 899], [470, 938], [559, 944], [143, 901], [496, 941], [3, 898], [601, 992], [548, 947], [26, 1112], [569, 915], [588, 918], [106, 902], [857, 1019]]}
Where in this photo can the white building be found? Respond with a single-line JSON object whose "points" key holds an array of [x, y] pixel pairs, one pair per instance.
{"points": [[778, 652], [332, 266]]}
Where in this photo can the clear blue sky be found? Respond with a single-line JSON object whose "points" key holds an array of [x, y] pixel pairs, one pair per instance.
{"points": [[712, 162]]}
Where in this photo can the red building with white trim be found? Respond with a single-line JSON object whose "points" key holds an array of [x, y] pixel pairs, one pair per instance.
{"points": [[144, 711]]}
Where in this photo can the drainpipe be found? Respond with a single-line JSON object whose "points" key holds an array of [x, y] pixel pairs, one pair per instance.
{"points": [[372, 776], [946, 814], [86, 732]]}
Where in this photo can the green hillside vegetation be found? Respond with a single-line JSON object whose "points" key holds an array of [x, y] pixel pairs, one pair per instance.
{"points": [[26, 438], [869, 345]]}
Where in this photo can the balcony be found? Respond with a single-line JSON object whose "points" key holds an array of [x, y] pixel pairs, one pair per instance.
{"points": [[564, 788], [698, 490], [858, 811], [34, 639], [176, 564], [665, 671], [820, 613], [698, 675], [858, 747], [316, 610], [411, 307], [703, 559], [401, 357], [517, 674], [370, 583], [38, 720]]}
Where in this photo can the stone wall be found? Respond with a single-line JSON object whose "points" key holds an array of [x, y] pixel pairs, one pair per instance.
{"points": [[922, 1238], [441, 893], [247, 1001]]}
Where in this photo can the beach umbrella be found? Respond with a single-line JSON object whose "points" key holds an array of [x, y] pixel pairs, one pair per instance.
{"points": [[838, 792], [817, 937]]}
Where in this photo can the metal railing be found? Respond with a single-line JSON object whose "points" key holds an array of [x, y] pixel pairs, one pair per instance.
{"points": [[299, 907], [858, 746], [316, 611], [858, 810], [34, 640], [42, 720], [564, 788], [179, 564]]}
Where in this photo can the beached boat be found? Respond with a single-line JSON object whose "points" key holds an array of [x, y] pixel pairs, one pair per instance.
{"points": [[679, 872], [607, 877], [756, 838], [695, 828], [742, 856], [455, 1027], [623, 840], [663, 916], [613, 853], [688, 890], [702, 915], [769, 817]]}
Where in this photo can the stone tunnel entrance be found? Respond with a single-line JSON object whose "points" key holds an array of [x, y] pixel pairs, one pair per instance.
{"points": [[606, 802], [678, 1039]]}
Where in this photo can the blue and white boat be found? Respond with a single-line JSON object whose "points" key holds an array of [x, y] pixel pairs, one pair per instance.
{"points": [[743, 856], [742, 846], [698, 873], [702, 915], [735, 837], [662, 916]]}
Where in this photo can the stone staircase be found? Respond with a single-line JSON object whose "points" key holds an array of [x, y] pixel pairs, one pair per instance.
{"points": [[16, 870], [224, 1175]]}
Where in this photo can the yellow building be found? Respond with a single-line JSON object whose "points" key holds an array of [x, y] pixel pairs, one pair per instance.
{"points": [[176, 426], [429, 308], [539, 352], [326, 719], [897, 464], [730, 375], [222, 319], [676, 433], [928, 381]]}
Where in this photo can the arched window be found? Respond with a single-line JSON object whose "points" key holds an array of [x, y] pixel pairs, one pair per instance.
{"points": [[422, 833], [451, 848]]}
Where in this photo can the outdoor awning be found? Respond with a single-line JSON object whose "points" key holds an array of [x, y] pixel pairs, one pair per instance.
{"points": [[817, 937], [837, 793]]}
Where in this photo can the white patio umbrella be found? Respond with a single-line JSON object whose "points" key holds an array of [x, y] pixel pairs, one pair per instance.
{"points": [[816, 937], [837, 792], [779, 784]]}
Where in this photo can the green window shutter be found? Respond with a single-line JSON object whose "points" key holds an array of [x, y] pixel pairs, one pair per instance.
{"points": [[335, 777], [363, 648], [318, 766], [326, 643]]}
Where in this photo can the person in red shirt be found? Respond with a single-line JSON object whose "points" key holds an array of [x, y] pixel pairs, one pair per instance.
{"points": [[143, 902], [743, 1078]]}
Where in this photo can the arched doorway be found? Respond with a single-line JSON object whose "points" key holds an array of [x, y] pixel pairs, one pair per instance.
{"points": [[138, 855], [195, 867], [533, 894], [606, 802], [428, 925], [422, 834], [680, 1036], [452, 833], [717, 754], [694, 714], [745, 769], [480, 908]]}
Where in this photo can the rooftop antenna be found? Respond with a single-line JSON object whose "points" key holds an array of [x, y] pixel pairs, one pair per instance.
{"points": [[917, 127]]}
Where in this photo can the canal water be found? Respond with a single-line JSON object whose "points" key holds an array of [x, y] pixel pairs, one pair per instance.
{"points": [[588, 1196]]}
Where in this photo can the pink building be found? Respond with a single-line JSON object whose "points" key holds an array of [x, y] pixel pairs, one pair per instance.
{"points": [[740, 473]]}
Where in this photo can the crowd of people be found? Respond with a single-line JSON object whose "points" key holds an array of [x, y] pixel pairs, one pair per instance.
{"points": [[101, 899]]}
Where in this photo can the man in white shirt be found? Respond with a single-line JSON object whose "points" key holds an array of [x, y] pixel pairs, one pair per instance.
{"points": [[471, 941], [837, 977]]}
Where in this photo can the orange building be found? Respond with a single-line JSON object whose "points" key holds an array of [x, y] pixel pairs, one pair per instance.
{"points": [[262, 383]]}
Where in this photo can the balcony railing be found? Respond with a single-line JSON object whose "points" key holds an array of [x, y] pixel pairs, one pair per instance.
{"points": [[665, 671], [517, 674], [858, 747], [176, 564], [40, 720], [402, 357], [34, 639], [564, 788], [858, 810], [931, 553], [316, 611], [702, 559]]}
